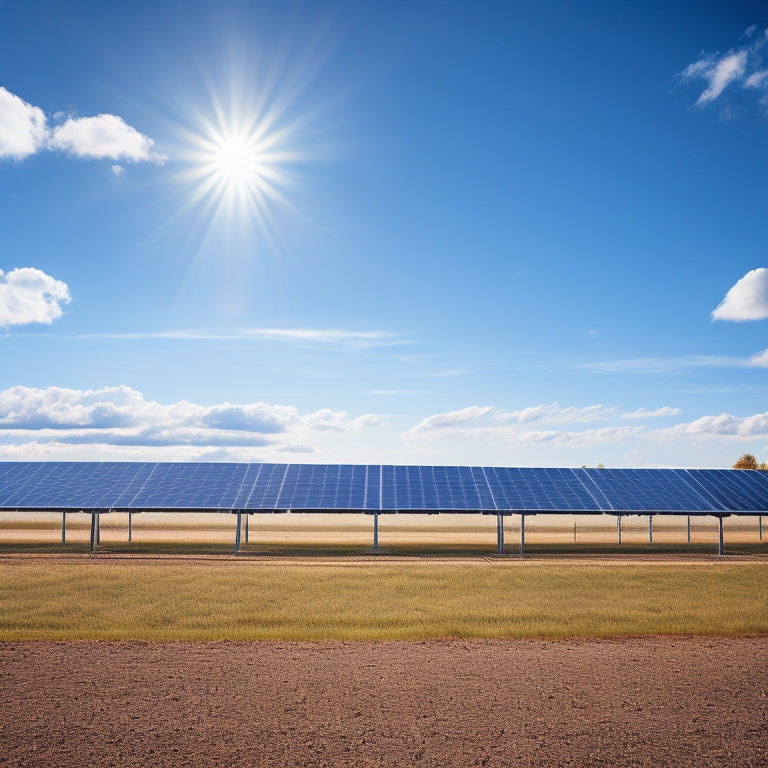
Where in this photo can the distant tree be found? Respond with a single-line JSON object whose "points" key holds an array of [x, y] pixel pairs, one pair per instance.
{"points": [[600, 465], [747, 461], [763, 465]]}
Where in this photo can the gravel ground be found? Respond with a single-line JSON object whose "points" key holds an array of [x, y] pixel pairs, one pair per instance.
{"points": [[640, 702]]}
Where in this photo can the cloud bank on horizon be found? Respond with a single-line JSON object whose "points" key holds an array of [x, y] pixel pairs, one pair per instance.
{"points": [[58, 422]]}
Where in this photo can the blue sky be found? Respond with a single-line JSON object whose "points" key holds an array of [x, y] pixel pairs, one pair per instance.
{"points": [[522, 233]]}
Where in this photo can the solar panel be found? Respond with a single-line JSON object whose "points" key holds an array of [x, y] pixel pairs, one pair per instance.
{"points": [[376, 488], [67, 485], [197, 485], [734, 490], [643, 490]]}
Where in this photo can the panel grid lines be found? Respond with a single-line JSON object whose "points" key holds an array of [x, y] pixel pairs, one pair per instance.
{"points": [[199, 486]]}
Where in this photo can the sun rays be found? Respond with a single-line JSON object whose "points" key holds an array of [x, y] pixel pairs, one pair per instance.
{"points": [[239, 168]]}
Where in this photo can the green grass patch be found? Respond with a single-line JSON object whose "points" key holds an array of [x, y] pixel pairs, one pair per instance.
{"points": [[242, 600]]}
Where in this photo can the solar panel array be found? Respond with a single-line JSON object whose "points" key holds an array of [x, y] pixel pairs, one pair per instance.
{"points": [[376, 488]]}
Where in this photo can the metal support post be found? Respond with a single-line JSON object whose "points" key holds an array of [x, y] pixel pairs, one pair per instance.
{"points": [[501, 533], [522, 535], [63, 527], [237, 532], [93, 531], [689, 529], [650, 529], [376, 530], [98, 529], [761, 527], [720, 544], [247, 517], [618, 527], [130, 526]]}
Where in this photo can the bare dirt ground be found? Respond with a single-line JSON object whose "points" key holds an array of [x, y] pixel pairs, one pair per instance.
{"points": [[639, 702]]}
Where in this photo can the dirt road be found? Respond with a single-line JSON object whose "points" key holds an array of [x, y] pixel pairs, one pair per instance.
{"points": [[645, 702]]}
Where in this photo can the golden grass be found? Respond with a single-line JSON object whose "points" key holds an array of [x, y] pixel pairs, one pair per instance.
{"points": [[257, 600]]}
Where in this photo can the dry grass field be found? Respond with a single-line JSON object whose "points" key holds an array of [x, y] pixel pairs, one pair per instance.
{"points": [[374, 598]]}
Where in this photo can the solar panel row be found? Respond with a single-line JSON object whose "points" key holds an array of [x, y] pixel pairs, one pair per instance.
{"points": [[375, 488]]}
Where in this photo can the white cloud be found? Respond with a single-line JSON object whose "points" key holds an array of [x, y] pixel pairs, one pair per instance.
{"points": [[760, 360], [664, 364], [478, 420], [22, 126], [354, 339], [28, 295], [315, 334], [747, 299], [451, 419], [554, 412], [103, 136], [24, 130], [725, 424], [719, 72], [119, 423], [642, 413], [743, 66], [485, 425], [583, 437], [120, 416], [757, 79]]}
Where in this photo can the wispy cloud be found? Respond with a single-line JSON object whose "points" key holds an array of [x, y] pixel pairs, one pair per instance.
{"points": [[718, 71], [581, 437], [24, 131], [744, 66], [28, 295], [642, 413], [487, 419], [747, 299], [664, 364], [358, 339]]}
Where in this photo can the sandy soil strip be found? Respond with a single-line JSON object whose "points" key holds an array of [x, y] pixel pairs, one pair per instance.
{"points": [[642, 702]]}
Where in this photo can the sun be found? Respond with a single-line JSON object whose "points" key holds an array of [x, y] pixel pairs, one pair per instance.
{"points": [[237, 162], [239, 168], [250, 141]]}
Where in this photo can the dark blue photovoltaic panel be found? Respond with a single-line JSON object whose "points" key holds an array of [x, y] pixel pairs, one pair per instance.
{"points": [[67, 485], [191, 486], [387, 500], [246, 485], [11, 472], [266, 488], [134, 485], [734, 490], [388, 488], [9, 469], [536, 489], [645, 490]]}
